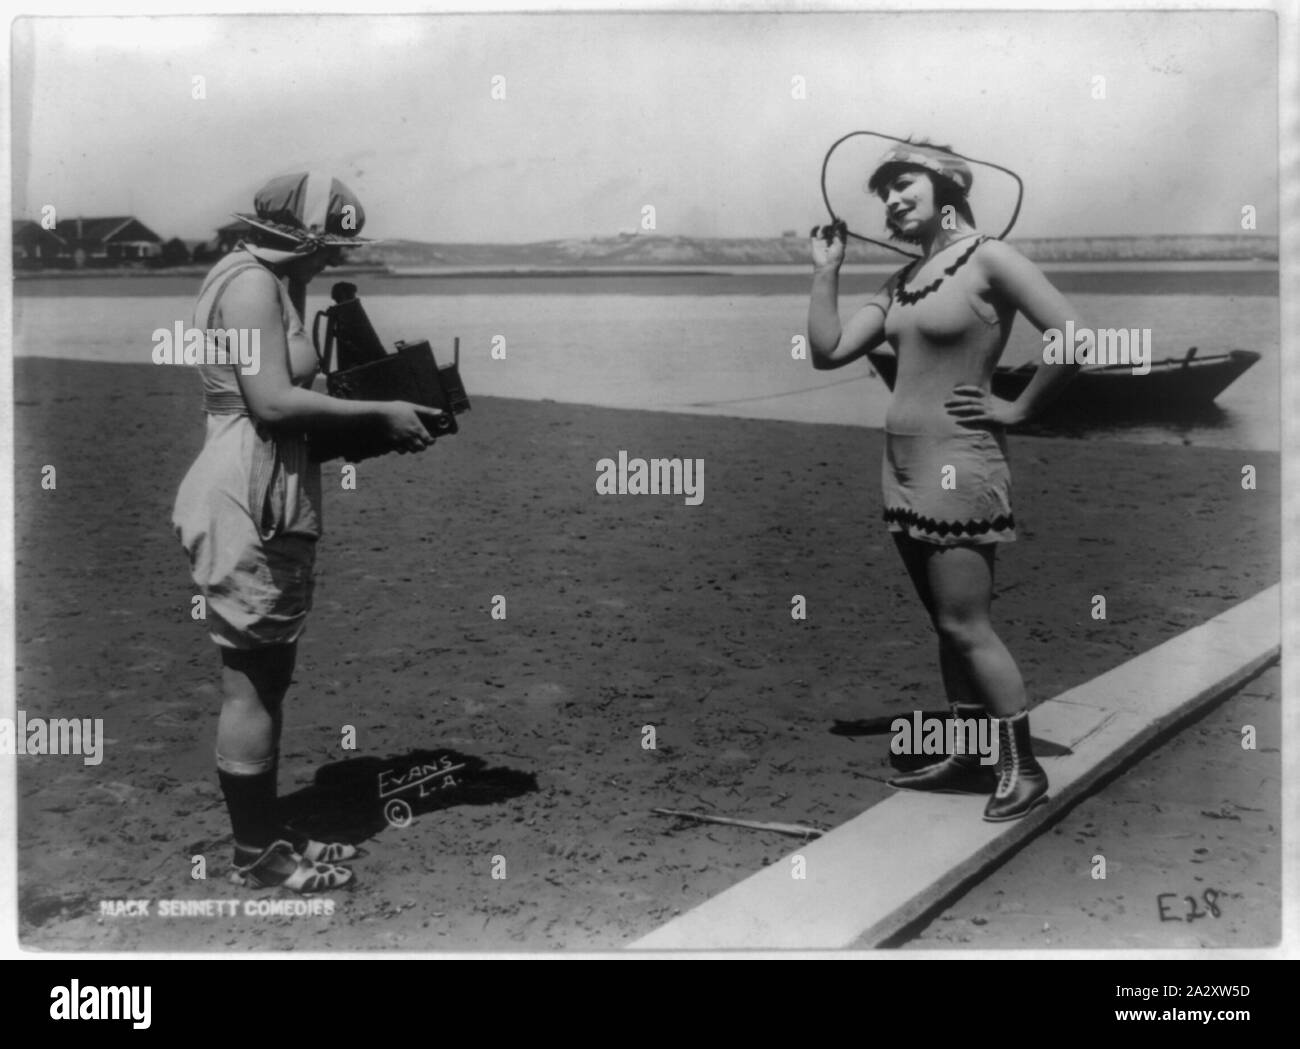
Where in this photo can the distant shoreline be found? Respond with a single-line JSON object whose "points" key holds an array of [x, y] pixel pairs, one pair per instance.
{"points": [[633, 256], [667, 270], [1116, 278]]}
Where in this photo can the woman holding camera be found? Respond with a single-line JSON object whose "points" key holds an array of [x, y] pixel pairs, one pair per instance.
{"points": [[248, 512]]}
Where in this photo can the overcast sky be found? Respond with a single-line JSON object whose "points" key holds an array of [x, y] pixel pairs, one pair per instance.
{"points": [[604, 114]]}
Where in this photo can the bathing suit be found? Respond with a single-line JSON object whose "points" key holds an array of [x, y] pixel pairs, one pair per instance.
{"points": [[944, 482], [248, 511]]}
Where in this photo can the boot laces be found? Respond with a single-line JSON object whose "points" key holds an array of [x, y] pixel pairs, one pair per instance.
{"points": [[1010, 763]]}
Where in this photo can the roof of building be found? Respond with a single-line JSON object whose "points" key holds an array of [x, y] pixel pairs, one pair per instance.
{"points": [[102, 229]]}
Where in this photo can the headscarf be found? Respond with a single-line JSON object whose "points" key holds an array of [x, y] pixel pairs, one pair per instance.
{"points": [[933, 159], [309, 210]]}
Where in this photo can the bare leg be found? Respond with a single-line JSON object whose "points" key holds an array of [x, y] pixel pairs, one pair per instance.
{"points": [[248, 734], [952, 666], [956, 586], [252, 711], [961, 585]]}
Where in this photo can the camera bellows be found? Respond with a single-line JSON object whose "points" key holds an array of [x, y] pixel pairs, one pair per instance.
{"points": [[366, 372]]}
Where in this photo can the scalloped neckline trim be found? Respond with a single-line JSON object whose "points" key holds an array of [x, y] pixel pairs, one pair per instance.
{"points": [[908, 298]]}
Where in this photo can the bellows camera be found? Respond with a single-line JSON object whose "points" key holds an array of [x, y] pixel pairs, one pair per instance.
{"points": [[365, 371]]}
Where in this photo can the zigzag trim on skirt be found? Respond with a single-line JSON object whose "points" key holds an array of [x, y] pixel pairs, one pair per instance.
{"points": [[943, 529]]}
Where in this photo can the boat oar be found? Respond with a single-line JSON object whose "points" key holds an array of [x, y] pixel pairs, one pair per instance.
{"points": [[781, 828]]}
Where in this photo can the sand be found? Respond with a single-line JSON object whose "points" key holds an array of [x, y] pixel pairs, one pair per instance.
{"points": [[622, 613], [1191, 838]]}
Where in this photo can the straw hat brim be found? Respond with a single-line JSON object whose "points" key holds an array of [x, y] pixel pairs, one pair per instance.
{"points": [[301, 236]]}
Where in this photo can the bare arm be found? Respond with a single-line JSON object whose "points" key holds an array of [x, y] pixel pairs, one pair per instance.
{"points": [[1024, 286], [252, 302], [831, 345]]}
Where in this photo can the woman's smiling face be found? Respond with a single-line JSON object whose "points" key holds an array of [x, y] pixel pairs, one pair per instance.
{"points": [[909, 202]]}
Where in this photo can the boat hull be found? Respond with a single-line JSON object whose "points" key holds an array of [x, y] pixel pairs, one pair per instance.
{"points": [[1172, 387]]}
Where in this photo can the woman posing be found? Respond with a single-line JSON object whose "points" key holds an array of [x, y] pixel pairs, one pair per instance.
{"points": [[946, 483]]}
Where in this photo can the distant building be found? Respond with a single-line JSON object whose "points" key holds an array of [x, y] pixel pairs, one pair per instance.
{"points": [[789, 233], [84, 242], [35, 247], [110, 241]]}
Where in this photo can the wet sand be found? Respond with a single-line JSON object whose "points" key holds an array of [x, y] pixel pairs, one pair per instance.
{"points": [[622, 613]]}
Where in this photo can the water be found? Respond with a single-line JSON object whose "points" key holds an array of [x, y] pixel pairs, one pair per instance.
{"points": [[718, 354]]}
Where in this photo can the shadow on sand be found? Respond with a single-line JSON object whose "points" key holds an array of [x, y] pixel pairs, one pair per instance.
{"points": [[355, 799]]}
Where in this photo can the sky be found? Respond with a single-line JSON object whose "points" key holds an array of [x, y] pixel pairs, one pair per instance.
{"points": [[693, 114]]}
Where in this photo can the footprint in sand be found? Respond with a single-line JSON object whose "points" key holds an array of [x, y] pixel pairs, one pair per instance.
{"points": [[121, 793], [735, 757], [545, 695], [174, 713]]}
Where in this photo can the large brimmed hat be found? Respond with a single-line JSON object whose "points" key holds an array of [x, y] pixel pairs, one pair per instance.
{"points": [[920, 155], [308, 210]]}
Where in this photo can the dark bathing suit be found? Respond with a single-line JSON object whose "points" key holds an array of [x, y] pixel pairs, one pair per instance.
{"points": [[944, 335]]}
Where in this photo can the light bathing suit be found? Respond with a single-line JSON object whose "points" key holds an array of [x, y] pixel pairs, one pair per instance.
{"points": [[943, 482], [248, 512]]}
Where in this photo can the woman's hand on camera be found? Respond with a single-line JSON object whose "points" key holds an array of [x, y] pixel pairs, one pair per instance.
{"points": [[829, 244], [404, 425]]}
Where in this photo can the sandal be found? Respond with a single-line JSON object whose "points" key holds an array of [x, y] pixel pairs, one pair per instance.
{"points": [[306, 876], [319, 851], [330, 851]]}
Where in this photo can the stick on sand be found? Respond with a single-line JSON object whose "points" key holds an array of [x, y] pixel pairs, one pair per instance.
{"points": [[780, 828]]}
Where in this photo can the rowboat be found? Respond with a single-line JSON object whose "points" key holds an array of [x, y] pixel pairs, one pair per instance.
{"points": [[1174, 386]]}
